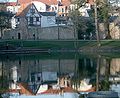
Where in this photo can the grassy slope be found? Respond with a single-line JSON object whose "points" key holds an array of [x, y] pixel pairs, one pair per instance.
{"points": [[52, 44]]}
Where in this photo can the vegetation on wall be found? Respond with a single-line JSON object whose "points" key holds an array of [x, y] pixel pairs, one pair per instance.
{"points": [[5, 19]]}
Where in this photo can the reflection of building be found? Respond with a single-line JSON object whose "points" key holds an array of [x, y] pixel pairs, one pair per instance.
{"points": [[13, 78], [40, 78], [114, 66], [64, 81], [36, 72], [0, 69], [115, 88]]}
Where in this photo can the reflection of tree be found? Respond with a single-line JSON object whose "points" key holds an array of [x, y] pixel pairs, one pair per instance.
{"points": [[85, 69], [3, 79], [102, 82], [105, 85]]}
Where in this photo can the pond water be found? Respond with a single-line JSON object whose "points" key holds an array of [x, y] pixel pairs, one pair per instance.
{"points": [[65, 69]]}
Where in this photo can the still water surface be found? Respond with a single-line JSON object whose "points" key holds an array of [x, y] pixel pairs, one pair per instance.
{"points": [[65, 69]]}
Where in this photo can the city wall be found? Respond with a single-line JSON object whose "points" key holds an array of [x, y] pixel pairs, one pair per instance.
{"points": [[46, 33]]}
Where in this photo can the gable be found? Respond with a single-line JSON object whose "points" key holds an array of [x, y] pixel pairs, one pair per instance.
{"points": [[32, 12], [41, 7]]}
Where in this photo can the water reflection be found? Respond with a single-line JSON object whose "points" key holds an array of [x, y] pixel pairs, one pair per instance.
{"points": [[74, 74]]}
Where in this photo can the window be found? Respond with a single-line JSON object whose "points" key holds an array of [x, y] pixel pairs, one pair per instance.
{"points": [[32, 11], [66, 8], [18, 19], [31, 20], [38, 78], [52, 8], [19, 36], [37, 19], [40, 8], [32, 78], [62, 15], [62, 10], [55, 8]]}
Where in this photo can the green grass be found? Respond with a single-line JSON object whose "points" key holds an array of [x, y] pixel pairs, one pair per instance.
{"points": [[58, 44]]}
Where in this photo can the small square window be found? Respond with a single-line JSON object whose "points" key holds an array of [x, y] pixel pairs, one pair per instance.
{"points": [[18, 19], [37, 19], [62, 9], [32, 11], [31, 19], [38, 78]]}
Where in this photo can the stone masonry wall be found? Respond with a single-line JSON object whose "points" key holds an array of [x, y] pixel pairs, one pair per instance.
{"points": [[61, 32]]}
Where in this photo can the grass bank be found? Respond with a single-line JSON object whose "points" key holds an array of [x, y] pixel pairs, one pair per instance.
{"points": [[88, 45]]}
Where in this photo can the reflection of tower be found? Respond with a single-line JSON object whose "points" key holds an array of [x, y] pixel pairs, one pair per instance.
{"points": [[0, 69], [1, 74], [13, 78], [14, 74]]}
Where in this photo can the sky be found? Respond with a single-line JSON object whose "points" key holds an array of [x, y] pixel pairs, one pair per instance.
{"points": [[8, 0]]}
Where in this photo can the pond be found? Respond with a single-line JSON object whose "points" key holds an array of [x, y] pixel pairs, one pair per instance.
{"points": [[72, 72]]}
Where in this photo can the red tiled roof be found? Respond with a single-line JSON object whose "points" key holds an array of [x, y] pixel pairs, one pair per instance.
{"points": [[48, 2], [90, 2], [23, 9], [11, 3], [66, 2], [25, 3]]}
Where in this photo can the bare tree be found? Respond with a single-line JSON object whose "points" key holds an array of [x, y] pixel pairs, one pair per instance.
{"points": [[103, 14]]}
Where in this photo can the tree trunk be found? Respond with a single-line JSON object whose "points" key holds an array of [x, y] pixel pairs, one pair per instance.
{"points": [[98, 73], [96, 24], [1, 29], [108, 30]]}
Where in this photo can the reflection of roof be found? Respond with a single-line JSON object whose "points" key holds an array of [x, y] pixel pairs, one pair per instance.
{"points": [[25, 89], [48, 13], [58, 91]]}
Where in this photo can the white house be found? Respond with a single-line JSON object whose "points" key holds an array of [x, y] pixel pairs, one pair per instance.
{"points": [[32, 15], [83, 10], [13, 9], [37, 18], [48, 19], [41, 7], [13, 22]]}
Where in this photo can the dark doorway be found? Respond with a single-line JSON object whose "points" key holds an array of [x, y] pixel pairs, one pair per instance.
{"points": [[34, 36], [19, 36]]}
